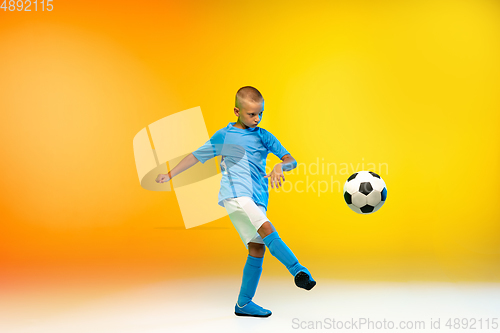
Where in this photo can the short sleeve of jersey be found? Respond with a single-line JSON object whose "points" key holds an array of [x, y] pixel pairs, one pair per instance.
{"points": [[211, 148], [273, 145]]}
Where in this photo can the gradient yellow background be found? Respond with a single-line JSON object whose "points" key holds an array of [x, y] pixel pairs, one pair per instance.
{"points": [[409, 84]]}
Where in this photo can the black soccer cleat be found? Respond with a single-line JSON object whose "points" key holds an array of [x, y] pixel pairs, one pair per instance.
{"points": [[304, 280]]}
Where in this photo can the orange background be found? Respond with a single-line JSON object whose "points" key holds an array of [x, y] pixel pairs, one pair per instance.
{"points": [[409, 84]]}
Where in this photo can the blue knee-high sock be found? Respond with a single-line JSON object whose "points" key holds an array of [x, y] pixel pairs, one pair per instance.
{"points": [[282, 252], [251, 276]]}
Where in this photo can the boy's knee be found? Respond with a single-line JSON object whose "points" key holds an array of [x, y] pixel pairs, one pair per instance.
{"points": [[265, 229], [256, 250]]}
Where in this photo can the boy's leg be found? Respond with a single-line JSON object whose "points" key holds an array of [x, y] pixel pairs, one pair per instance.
{"points": [[282, 252], [251, 277], [251, 273]]}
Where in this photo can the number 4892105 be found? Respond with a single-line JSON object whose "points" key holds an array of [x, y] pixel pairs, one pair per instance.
{"points": [[27, 5]]}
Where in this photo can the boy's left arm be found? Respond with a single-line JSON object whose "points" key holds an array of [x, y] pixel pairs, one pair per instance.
{"points": [[289, 163]]}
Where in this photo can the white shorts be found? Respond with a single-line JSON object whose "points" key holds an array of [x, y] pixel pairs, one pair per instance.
{"points": [[247, 217]]}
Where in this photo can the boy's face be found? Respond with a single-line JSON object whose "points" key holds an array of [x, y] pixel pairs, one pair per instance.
{"points": [[250, 114]]}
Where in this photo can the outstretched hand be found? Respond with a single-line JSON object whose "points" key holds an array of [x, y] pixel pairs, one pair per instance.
{"points": [[276, 174], [162, 178]]}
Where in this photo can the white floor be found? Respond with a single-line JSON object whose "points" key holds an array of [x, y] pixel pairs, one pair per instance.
{"points": [[199, 305]]}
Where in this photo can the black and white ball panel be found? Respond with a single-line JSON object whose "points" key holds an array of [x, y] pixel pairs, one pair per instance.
{"points": [[359, 199], [378, 184], [374, 198]]}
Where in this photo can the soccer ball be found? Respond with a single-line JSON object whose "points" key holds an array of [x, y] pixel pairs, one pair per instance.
{"points": [[365, 192]]}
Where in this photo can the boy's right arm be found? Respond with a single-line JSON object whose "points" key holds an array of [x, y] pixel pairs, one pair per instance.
{"points": [[183, 165]]}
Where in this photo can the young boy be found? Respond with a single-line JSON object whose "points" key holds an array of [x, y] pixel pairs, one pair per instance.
{"points": [[244, 192]]}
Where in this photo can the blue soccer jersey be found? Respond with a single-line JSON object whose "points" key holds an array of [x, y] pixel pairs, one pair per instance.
{"points": [[243, 161]]}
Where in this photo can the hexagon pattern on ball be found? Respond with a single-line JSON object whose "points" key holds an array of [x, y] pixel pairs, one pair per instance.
{"points": [[365, 192]]}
